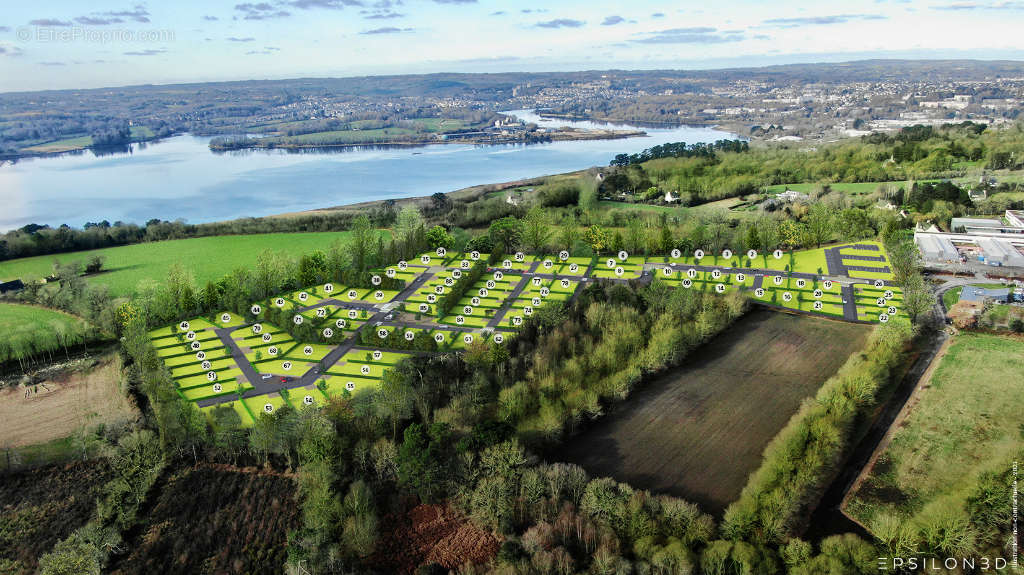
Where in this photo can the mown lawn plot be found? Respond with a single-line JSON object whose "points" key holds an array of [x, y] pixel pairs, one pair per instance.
{"points": [[963, 422], [616, 267], [699, 430], [464, 261], [271, 342], [268, 403], [282, 366], [245, 418], [309, 352], [878, 303]]}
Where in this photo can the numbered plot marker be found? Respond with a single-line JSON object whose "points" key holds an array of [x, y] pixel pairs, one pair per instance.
{"points": [[439, 337], [441, 252], [328, 288], [377, 355], [340, 324], [891, 310], [759, 292], [574, 268], [268, 408], [727, 254], [818, 306], [468, 338], [328, 332], [201, 355], [211, 375], [257, 328], [190, 335], [520, 256], [676, 254], [565, 283], [279, 302], [720, 288], [207, 365], [619, 271], [352, 294], [403, 265], [801, 283], [298, 319], [498, 276], [183, 326], [880, 301], [456, 274], [217, 388], [548, 264], [475, 300], [449, 281], [390, 272], [364, 369], [740, 278], [687, 283], [544, 292], [460, 320], [287, 365], [410, 335], [256, 309], [483, 292], [321, 312], [378, 295], [517, 320], [786, 296], [425, 260], [439, 290], [528, 310], [777, 280], [464, 264], [376, 280], [506, 264], [468, 310], [879, 283], [536, 302], [691, 273], [267, 337], [610, 263], [777, 254], [303, 296], [307, 400], [308, 350], [563, 255], [888, 294], [474, 255], [827, 284], [751, 254], [382, 333], [623, 256], [350, 385], [225, 318], [698, 255], [352, 314], [883, 317], [818, 294], [432, 298], [196, 346], [272, 350], [537, 281], [716, 274]]}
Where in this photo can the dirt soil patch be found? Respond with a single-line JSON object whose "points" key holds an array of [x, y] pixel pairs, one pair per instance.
{"points": [[41, 506], [431, 534], [73, 400], [214, 519], [698, 431]]}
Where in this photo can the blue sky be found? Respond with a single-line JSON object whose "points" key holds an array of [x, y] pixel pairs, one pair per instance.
{"points": [[73, 44]]}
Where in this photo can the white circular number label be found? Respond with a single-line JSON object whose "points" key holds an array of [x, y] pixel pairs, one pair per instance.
{"points": [[352, 314], [183, 326], [211, 375], [286, 365], [403, 265], [759, 292], [303, 296], [340, 324], [328, 332], [225, 318], [498, 338], [468, 338], [727, 254], [308, 400], [375, 280], [475, 255], [441, 252], [777, 254], [267, 337], [676, 253], [698, 255], [298, 319], [439, 337], [256, 310], [563, 255], [272, 350], [328, 288], [279, 302], [382, 333], [777, 280], [308, 350], [786, 296], [410, 335], [751, 254]]}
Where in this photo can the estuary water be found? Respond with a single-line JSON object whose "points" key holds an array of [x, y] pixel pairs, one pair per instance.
{"points": [[180, 178]]}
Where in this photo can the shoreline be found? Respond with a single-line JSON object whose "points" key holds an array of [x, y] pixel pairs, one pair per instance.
{"points": [[557, 136]]}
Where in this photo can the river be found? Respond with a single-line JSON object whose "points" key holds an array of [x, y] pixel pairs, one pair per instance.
{"points": [[180, 178]]}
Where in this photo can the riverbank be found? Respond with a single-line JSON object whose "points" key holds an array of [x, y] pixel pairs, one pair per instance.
{"points": [[483, 138]]}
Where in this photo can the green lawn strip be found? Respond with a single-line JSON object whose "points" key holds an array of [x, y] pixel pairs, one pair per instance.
{"points": [[316, 352], [276, 366]]}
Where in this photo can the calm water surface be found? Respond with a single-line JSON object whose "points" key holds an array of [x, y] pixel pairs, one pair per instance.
{"points": [[180, 178]]}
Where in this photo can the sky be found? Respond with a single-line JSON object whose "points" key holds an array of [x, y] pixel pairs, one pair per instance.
{"points": [[61, 44]]}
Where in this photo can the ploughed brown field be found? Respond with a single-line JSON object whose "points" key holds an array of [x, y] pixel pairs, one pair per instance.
{"points": [[699, 430]]}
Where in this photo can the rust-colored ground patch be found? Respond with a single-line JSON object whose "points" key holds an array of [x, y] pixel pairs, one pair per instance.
{"points": [[431, 534]]}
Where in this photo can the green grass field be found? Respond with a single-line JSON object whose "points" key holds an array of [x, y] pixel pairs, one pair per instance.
{"points": [[18, 317], [207, 258], [967, 420]]}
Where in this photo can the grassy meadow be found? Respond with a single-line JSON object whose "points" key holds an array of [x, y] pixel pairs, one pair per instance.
{"points": [[208, 258], [964, 421]]}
